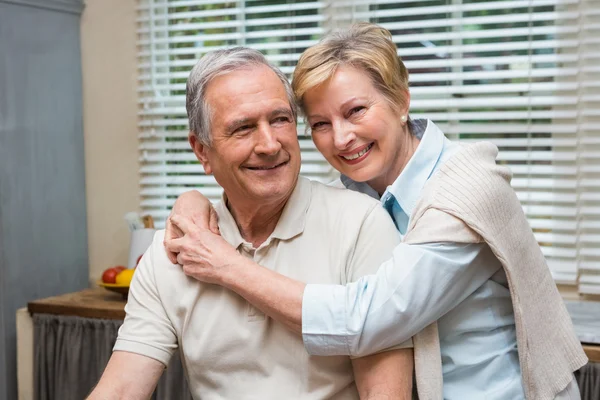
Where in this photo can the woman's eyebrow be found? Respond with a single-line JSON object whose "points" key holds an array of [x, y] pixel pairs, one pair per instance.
{"points": [[351, 100]]}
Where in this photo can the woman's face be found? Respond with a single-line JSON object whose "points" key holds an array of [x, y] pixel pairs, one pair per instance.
{"points": [[356, 128]]}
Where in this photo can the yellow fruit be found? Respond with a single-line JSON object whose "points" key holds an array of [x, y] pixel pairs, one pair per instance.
{"points": [[124, 277]]}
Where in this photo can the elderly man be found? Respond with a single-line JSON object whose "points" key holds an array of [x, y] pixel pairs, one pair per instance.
{"points": [[243, 131]]}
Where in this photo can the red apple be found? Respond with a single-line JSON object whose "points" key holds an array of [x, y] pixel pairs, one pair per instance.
{"points": [[110, 275], [120, 268], [138, 260]]}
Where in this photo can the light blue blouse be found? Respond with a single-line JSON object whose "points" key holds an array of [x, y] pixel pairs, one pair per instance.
{"points": [[462, 286]]}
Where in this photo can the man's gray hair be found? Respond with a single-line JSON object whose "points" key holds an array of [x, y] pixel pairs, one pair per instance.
{"points": [[218, 63]]}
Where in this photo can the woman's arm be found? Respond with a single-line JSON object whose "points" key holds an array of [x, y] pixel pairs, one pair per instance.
{"points": [[418, 285]]}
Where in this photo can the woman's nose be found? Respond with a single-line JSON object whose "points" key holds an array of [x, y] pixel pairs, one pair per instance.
{"points": [[343, 136]]}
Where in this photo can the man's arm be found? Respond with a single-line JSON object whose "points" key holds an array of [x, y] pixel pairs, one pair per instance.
{"points": [[128, 376], [385, 376], [147, 338]]}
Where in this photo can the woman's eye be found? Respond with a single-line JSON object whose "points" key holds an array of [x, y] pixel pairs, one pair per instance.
{"points": [[356, 109]]}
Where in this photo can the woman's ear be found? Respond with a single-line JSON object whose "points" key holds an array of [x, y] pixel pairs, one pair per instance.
{"points": [[406, 103], [201, 152]]}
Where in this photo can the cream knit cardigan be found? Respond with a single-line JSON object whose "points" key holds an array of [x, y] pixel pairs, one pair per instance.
{"points": [[469, 199]]}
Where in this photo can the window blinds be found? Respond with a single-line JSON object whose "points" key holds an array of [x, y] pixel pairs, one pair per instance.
{"points": [[588, 148], [173, 35], [522, 74]]}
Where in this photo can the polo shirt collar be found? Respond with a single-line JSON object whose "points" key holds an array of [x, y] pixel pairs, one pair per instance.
{"points": [[291, 222], [227, 225], [293, 218]]}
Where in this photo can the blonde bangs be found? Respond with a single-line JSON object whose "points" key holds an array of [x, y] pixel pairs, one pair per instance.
{"points": [[313, 69], [365, 46]]}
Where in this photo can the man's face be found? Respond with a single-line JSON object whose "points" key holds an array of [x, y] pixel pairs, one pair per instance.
{"points": [[255, 155]]}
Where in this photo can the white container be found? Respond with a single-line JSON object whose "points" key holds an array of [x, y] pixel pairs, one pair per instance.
{"points": [[140, 241]]}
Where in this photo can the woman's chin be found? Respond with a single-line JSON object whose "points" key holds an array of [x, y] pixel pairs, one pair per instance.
{"points": [[360, 175]]}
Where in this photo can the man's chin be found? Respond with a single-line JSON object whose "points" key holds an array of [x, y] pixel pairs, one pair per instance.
{"points": [[273, 190]]}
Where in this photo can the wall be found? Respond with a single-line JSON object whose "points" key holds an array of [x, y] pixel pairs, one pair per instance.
{"points": [[43, 234], [108, 53]]}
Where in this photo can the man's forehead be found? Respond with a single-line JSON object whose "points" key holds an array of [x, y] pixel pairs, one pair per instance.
{"points": [[247, 81], [247, 93]]}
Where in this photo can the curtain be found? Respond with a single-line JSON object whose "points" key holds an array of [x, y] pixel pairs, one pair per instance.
{"points": [[70, 354], [588, 379]]}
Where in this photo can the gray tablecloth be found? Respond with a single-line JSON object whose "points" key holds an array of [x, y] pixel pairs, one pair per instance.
{"points": [[70, 354]]}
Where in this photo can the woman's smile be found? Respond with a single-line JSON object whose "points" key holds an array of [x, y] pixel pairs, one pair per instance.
{"points": [[356, 155]]}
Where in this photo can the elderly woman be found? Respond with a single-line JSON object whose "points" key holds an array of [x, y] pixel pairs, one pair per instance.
{"points": [[469, 281]]}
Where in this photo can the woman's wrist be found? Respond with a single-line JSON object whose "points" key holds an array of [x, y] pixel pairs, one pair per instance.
{"points": [[239, 273], [276, 295]]}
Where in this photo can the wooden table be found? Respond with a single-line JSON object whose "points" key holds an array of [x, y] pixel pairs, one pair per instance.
{"points": [[593, 352], [89, 303]]}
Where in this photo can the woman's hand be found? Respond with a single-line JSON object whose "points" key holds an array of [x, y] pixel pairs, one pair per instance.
{"points": [[203, 254], [207, 257], [198, 209]]}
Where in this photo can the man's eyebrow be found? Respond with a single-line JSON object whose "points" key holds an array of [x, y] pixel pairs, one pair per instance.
{"points": [[236, 123], [279, 111]]}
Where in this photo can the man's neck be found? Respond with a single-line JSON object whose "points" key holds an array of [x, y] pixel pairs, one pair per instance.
{"points": [[256, 222]]}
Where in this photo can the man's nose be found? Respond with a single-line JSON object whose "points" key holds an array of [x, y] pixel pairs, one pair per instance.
{"points": [[343, 135], [268, 142]]}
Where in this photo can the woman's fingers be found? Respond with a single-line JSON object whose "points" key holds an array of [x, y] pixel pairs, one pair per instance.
{"points": [[214, 221], [195, 206], [185, 224], [174, 246], [171, 232]]}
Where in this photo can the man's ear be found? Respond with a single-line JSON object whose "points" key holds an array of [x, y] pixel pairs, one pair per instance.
{"points": [[200, 151]]}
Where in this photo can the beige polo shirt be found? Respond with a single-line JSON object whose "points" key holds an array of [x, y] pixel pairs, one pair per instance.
{"points": [[230, 350]]}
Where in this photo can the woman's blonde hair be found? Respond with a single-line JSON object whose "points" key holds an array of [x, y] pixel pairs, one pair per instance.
{"points": [[364, 46]]}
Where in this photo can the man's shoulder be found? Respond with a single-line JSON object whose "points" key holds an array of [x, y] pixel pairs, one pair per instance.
{"points": [[347, 211], [337, 195], [159, 264]]}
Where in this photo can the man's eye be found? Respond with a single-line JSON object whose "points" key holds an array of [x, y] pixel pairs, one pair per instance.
{"points": [[241, 129], [282, 120], [318, 125]]}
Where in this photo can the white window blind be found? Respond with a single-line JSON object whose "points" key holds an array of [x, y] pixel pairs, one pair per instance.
{"points": [[588, 149], [522, 74], [173, 35]]}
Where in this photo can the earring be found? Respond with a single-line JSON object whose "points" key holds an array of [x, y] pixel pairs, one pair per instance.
{"points": [[404, 118]]}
